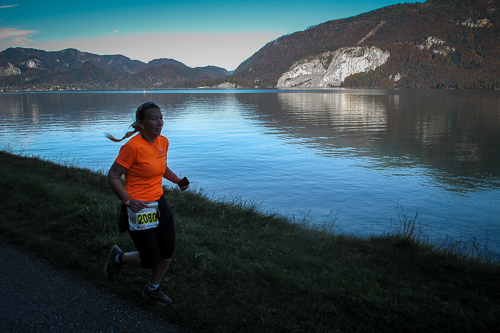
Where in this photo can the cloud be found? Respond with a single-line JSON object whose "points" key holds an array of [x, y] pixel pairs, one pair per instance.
{"points": [[12, 37], [8, 6], [114, 31]]}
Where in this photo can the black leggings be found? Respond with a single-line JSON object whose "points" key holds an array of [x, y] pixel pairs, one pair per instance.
{"points": [[156, 243]]}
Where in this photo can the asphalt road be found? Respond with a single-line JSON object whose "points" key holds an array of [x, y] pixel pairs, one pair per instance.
{"points": [[37, 297]]}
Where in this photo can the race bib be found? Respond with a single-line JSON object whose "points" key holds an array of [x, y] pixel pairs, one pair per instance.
{"points": [[146, 218]]}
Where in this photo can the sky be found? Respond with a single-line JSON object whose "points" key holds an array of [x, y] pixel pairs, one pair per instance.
{"points": [[221, 33]]}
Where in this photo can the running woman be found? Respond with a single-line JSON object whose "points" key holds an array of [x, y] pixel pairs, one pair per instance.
{"points": [[145, 213]]}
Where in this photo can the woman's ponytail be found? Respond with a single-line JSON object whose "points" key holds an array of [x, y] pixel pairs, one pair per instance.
{"points": [[139, 116], [127, 135]]}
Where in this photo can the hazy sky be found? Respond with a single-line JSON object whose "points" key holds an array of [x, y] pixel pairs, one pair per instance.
{"points": [[220, 33]]}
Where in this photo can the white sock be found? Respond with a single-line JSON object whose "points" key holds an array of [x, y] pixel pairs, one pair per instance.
{"points": [[152, 287]]}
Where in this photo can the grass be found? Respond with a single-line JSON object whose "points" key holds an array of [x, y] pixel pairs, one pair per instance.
{"points": [[239, 270]]}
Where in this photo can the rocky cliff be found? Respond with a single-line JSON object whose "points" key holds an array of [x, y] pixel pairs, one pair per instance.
{"points": [[329, 69]]}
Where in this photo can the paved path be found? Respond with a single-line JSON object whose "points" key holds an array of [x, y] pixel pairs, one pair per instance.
{"points": [[37, 297]]}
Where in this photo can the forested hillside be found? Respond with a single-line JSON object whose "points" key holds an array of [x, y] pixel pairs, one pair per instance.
{"points": [[31, 69], [436, 44]]}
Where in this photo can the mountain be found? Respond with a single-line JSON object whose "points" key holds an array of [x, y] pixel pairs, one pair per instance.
{"points": [[436, 44], [171, 75], [163, 61], [23, 68], [38, 60], [86, 77]]}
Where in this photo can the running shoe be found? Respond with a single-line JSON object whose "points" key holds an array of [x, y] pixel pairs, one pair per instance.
{"points": [[156, 295], [112, 268]]}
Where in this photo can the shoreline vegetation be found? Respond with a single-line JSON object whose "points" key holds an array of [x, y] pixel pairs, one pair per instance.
{"points": [[239, 270]]}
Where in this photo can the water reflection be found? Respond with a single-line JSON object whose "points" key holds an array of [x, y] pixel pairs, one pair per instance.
{"points": [[455, 134], [354, 152]]}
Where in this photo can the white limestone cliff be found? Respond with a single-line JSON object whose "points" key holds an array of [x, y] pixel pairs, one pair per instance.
{"points": [[33, 63], [330, 69], [436, 45], [483, 23], [9, 70]]}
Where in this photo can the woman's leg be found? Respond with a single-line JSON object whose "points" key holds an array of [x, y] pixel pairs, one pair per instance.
{"points": [[132, 259], [148, 252], [165, 237], [159, 271]]}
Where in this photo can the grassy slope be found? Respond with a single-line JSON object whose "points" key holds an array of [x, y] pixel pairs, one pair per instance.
{"points": [[237, 270]]}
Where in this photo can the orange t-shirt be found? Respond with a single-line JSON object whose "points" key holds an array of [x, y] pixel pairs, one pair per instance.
{"points": [[146, 163]]}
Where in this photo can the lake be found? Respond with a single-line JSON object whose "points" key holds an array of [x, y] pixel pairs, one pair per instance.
{"points": [[354, 159]]}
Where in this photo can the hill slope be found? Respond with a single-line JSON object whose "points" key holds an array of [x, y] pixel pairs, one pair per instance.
{"points": [[38, 60], [172, 76], [439, 43], [22, 68]]}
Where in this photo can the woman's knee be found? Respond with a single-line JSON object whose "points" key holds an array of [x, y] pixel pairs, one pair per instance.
{"points": [[164, 263]]}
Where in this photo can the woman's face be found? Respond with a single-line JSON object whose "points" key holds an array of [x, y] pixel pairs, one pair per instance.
{"points": [[152, 124]]}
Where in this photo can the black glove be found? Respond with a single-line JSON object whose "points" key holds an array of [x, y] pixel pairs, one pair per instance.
{"points": [[183, 182]]}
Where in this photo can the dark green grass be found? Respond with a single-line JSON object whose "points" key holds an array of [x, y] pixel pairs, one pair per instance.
{"points": [[238, 270]]}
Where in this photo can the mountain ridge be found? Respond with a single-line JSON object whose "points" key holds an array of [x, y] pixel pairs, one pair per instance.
{"points": [[27, 68], [435, 44], [468, 29]]}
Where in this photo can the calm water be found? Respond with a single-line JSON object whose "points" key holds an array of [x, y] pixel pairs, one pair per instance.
{"points": [[349, 156]]}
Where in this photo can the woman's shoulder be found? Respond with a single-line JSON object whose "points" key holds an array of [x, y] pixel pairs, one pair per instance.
{"points": [[133, 143], [163, 140]]}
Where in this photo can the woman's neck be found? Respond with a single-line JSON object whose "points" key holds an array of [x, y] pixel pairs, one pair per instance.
{"points": [[147, 138]]}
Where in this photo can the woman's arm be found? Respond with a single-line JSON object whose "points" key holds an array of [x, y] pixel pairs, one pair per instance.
{"points": [[114, 174], [171, 176]]}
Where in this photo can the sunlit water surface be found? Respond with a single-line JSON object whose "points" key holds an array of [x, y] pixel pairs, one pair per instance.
{"points": [[357, 159]]}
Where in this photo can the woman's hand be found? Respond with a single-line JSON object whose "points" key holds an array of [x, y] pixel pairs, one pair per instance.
{"points": [[136, 205], [183, 183]]}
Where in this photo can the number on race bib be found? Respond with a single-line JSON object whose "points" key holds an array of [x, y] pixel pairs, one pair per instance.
{"points": [[146, 218]]}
